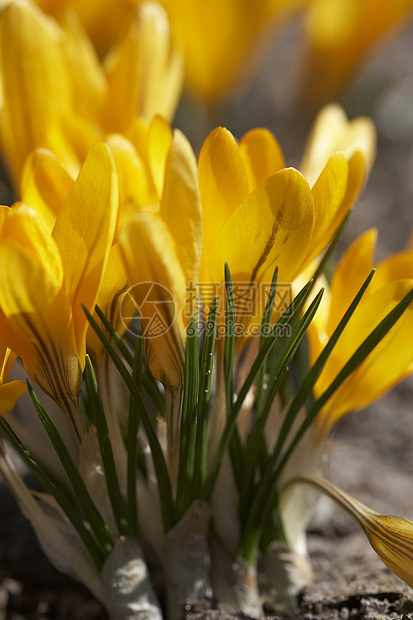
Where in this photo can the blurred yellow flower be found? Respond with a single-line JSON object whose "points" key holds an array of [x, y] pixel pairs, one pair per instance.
{"points": [[340, 34], [392, 359], [44, 279], [103, 20], [222, 39], [57, 95]]}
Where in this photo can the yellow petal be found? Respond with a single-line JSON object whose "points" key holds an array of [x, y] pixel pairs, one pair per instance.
{"points": [[262, 155], [156, 276], [349, 275], [152, 142], [25, 228], [329, 208], [84, 233], [36, 86], [112, 288], [86, 72], [38, 314], [181, 206], [223, 182], [387, 364], [332, 132], [135, 183], [396, 267], [10, 394], [272, 227], [45, 185], [138, 70], [391, 537]]}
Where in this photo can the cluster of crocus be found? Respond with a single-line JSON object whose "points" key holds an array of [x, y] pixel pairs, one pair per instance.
{"points": [[122, 259]]}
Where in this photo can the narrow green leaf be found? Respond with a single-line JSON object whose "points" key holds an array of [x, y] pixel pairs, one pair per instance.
{"points": [[268, 488], [265, 335], [149, 382], [88, 506], [236, 408], [251, 509], [204, 398], [164, 485], [185, 487], [132, 444], [307, 385], [235, 446], [99, 419]]}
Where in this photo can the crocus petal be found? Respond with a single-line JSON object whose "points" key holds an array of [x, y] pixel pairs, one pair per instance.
{"points": [[349, 275], [140, 66], [223, 182], [396, 267], [272, 227], [262, 155], [391, 537], [333, 132], [39, 316], [133, 178], [45, 185], [113, 286], [84, 233], [387, 364], [24, 228], [36, 87], [181, 188], [329, 208], [151, 260], [152, 142], [87, 75], [10, 394]]}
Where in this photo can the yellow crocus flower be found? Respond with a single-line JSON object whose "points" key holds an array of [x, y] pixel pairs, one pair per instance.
{"points": [[392, 359], [57, 95], [46, 277], [391, 537], [218, 38], [259, 214], [340, 34]]}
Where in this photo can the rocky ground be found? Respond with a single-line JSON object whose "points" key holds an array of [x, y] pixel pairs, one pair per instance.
{"points": [[374, 456]]}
